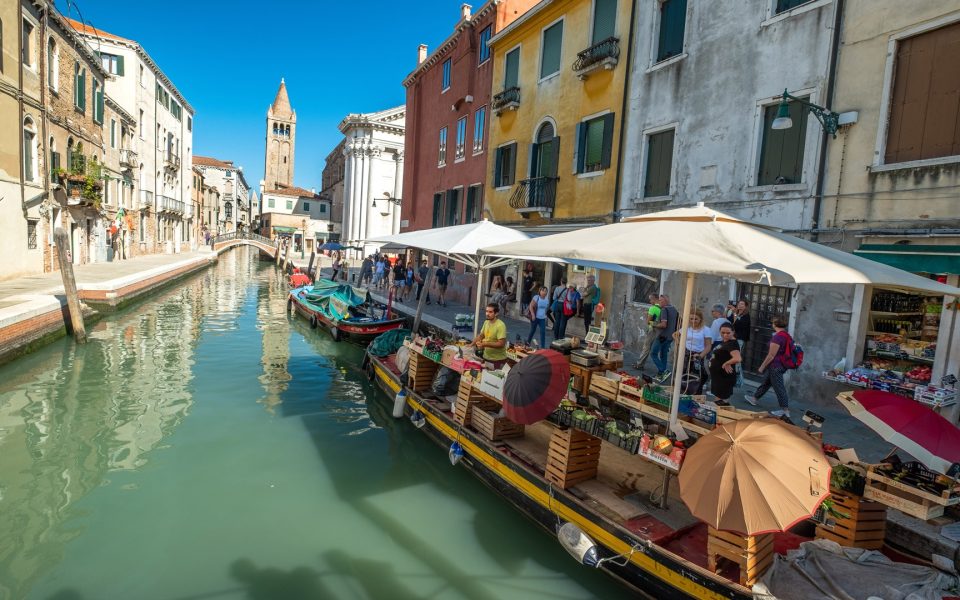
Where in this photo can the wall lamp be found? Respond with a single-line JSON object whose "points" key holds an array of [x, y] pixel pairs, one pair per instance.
{"points": [[828, 119]]}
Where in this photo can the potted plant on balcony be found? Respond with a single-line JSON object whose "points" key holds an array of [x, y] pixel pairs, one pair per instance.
{"points": [[91, 192]]}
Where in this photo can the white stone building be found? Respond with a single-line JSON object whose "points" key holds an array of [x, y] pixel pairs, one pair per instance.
{"points": [[163, 140], [298, 214], [373, 177], [234, 192]]}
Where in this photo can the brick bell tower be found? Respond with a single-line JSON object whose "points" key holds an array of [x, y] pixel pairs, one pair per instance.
{"points": [[280, 141]]}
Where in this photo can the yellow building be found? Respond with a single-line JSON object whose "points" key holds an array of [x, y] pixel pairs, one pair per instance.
{"points": [[558, 85]]}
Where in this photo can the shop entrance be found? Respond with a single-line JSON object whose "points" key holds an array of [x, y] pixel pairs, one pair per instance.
{"points": [[766, 302]]}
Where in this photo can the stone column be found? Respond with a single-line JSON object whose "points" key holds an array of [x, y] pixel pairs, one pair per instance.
{"points": [[372, 215], [397, 192]]}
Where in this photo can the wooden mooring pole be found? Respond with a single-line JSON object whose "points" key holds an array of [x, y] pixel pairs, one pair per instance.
{"points": [[313, 257], [70, 285]]}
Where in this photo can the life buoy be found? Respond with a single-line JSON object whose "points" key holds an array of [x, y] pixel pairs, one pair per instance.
{"points": [[313, 321]]}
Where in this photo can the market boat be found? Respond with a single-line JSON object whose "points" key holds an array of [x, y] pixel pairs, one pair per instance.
{"points": [[343, 310]]}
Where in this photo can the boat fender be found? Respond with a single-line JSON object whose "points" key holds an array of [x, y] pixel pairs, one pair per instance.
{"points": [[399, 401], [289, 304], [456, 453], [335, 333], [313, 321], [418, 419]]}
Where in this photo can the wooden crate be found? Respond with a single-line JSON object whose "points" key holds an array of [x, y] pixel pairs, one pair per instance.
{"points": [[470, 399], [492, 427], [422, 371], [906, 498], [753, 554], [604, 387], [864, 528], [573, 456]]}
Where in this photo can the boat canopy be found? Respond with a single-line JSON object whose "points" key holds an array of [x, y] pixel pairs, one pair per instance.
{"points": [[334, 300]]}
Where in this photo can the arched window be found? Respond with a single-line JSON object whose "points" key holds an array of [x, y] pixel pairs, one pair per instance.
{"points": [[54, 158], [287, 133], [276, 129], [29, 150], [53, 65], [227, 211]]}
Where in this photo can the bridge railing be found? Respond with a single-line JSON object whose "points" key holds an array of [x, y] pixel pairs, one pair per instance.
{"points": [[243, 235]]}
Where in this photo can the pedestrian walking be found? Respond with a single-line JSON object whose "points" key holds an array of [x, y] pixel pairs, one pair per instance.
{"points": [[336, 265], [408, 278], [653, 318], [556, 306], [660, 353], [590, 297], [773, 368], [526, 285], [443, 277], [378, 271], [741, 331], [421, 277], [723, 372], [537, 313], [366, 270], [569, 301], [399, 274]]}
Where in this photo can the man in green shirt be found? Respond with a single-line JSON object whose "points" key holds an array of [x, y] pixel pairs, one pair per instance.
{"points": [[492, 338], [653, 317]]}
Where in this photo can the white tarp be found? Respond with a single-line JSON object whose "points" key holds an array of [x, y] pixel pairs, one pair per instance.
{"points": [[704, 241]]}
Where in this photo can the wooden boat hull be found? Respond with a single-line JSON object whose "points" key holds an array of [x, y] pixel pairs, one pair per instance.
{"points": [[365, 331], [650, 570]]}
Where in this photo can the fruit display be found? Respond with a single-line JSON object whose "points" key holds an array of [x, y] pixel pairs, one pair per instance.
{"points": [[920, 374]]}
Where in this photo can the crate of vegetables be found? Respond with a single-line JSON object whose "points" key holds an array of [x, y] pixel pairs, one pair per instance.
{"points": [[911, 488]]}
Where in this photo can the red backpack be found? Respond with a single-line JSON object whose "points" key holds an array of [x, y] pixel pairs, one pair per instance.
{"points": [[791, 356]]}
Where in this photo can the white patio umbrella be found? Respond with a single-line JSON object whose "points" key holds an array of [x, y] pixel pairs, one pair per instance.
{"points": [[461, 243], [698, 240]]}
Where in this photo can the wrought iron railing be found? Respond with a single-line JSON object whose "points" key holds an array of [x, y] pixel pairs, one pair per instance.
{"points": [[608, 48], [535, 193], [508, 97], [146, 198]]}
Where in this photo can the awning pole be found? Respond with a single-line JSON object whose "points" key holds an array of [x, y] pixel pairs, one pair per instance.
{"points": [[681, 348], [481, 277]]}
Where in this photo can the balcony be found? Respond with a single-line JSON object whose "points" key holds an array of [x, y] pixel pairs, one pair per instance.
{"points": [[146, 198], [535, 195], [188, 210], [128, 158], [171, 162], [508, 99], [602, 55], [168, 204]]}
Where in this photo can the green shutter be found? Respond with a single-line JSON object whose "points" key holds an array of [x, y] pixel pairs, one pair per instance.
{"points": [[120, 65], [533, 159], [604, 20], [497, 168], [594, 152], [512, 163], [659, 164], [579, 149], [607, 150], [550, 50], [511, 69], [673, 16], [781, 151], [83, 90]]}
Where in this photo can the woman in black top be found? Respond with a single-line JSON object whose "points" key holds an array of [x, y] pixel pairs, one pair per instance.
{"points": [[741, 323], [723, 373]]}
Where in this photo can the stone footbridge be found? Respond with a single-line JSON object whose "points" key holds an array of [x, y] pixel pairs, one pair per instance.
{"points": [[230, 240]]}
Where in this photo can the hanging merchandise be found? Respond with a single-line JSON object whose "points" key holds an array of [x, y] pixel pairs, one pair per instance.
{"points": [[456, 453], [418, 419]]}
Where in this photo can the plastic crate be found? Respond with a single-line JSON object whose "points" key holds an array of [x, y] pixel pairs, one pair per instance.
{"points": [[933, 395], [656, 395]]}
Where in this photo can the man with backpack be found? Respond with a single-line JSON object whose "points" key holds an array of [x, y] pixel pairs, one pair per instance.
{"points": [[783, 354], [569, 302]]}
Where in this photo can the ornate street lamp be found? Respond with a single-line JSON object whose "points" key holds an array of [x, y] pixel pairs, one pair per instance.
{"points": [[828, 119]]}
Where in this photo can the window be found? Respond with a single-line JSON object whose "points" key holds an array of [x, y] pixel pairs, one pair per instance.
{"points": [[53, 65], [437, 209], [29, 150], [97, 101], [452, 212], [659, 164], [26, 55], [323, 208], [176, 110], [446, 75], [32, 234], [112, 63], [270, 203], [189, 123], [306, 206], [643, 287], [289, 204], [604, 20], [227, 211], [461, 149], [484, 49], [673, 21], [442, 155], [79, 87], [924, 103], [550, 50], [113, 133], [505, 166], [479, 126], [511, 69], [781, 151], [163, 97], [142, 83], [594, 144], [474, 202], [785, 5]]}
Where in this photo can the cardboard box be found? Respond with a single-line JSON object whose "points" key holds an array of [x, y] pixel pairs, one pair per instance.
{"points": [[491, 383]]}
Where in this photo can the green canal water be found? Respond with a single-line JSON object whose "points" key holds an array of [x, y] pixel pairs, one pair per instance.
{"points": [[204, 445]]}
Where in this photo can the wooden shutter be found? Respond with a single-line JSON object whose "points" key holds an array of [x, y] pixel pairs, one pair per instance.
{"points": [[511, 69], [120, 65], [550, 49], [925, 103], [593, 156], [533, 160], [83, 89], [512, 163], [607, 151], [604, 20], [673, 17], [659, 164], [437, 209], [781, 151], [579, 149], [498, 168]]}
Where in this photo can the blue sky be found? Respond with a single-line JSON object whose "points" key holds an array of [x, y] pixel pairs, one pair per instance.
{"points": [[227, 59]]}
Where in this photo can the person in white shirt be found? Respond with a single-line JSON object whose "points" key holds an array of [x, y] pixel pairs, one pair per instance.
{"points": [[717, 312], [697, 348]]}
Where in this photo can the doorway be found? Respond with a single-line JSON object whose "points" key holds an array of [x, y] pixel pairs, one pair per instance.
{"points": [[766, 302], [543, 168]]}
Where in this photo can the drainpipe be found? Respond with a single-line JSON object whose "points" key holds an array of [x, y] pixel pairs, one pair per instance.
{"points": [[617, 194], [828, 102], [19, 25]]}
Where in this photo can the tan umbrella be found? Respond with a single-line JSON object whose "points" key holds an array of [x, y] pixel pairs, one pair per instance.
{"points": [[754, 476]]}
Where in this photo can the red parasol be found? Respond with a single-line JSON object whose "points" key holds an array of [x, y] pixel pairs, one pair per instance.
{"points": [[535, 386], [909, 425]]}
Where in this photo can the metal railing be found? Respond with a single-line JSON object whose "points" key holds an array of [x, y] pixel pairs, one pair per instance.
{"points": [[146, 198], [128, 158], [243, 235], [535, 193], [167, 204], [509, 97], [597, 53]]}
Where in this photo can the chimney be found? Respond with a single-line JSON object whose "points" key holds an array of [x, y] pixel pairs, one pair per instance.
{"points": [[421, 53], [465, 11]]}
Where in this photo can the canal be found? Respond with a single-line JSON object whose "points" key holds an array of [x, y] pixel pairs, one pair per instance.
{"points": [[206, 445]]}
